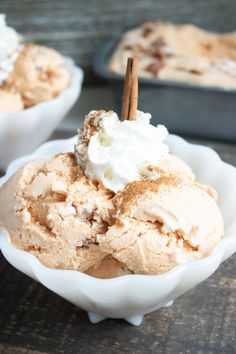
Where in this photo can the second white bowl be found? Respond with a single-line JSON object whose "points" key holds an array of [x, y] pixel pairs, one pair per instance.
{"points": [[21, 132]]}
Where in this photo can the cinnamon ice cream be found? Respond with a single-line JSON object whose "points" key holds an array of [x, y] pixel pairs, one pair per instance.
{"points": [[29, 73], [179, 53], [147, 215], [39, 74]]}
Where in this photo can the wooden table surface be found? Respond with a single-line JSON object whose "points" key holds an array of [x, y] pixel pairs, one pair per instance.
{"points": [[35, 320]]}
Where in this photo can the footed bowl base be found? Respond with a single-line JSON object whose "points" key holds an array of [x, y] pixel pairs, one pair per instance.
{"points": [[135, 320]]}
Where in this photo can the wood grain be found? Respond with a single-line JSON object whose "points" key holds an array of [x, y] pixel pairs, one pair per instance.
{"points": [[76, 28], [33, 320]]}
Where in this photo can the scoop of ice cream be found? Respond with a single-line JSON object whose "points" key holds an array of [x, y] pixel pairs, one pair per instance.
{"points": [[162, 223], [10, 101], [54, 212], [39, 74], [10, 45], [116, 152]]}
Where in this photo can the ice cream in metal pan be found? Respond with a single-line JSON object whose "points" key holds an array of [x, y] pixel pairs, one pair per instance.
{"points": [[179, 53]]}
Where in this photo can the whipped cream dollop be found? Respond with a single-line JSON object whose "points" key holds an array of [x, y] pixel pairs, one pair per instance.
{"points": [[116, 152], [10, 46]]}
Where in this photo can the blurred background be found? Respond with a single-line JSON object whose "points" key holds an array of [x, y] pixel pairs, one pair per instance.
{"points": [[76, 27]]}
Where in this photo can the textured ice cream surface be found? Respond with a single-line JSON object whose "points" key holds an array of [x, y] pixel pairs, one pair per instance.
{"points": [[10, 46], [10, 101], [179, 52], [54, 212], [39, 74], [116, 152], [162, 223]]}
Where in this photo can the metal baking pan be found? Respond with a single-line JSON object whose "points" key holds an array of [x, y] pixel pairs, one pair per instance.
{"points": [[186, 109]]}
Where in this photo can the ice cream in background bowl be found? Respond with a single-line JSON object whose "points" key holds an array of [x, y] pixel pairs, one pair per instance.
{"points": [[38, 86], [34, 72], [120, 220]]}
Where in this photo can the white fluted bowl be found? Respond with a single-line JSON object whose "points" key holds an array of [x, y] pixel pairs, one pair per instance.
{"points": [[132, 296], [21, 132]]}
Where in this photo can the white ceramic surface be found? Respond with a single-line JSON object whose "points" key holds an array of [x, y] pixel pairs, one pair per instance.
{"points": [[132, 296], [21, 132]]}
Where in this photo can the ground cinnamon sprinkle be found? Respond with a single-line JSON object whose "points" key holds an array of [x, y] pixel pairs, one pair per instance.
{"points": [[129, 196]]}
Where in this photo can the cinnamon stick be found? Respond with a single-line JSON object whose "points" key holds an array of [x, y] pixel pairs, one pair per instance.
{"points": [[130, 95], [134, 91], [127, 90]]}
